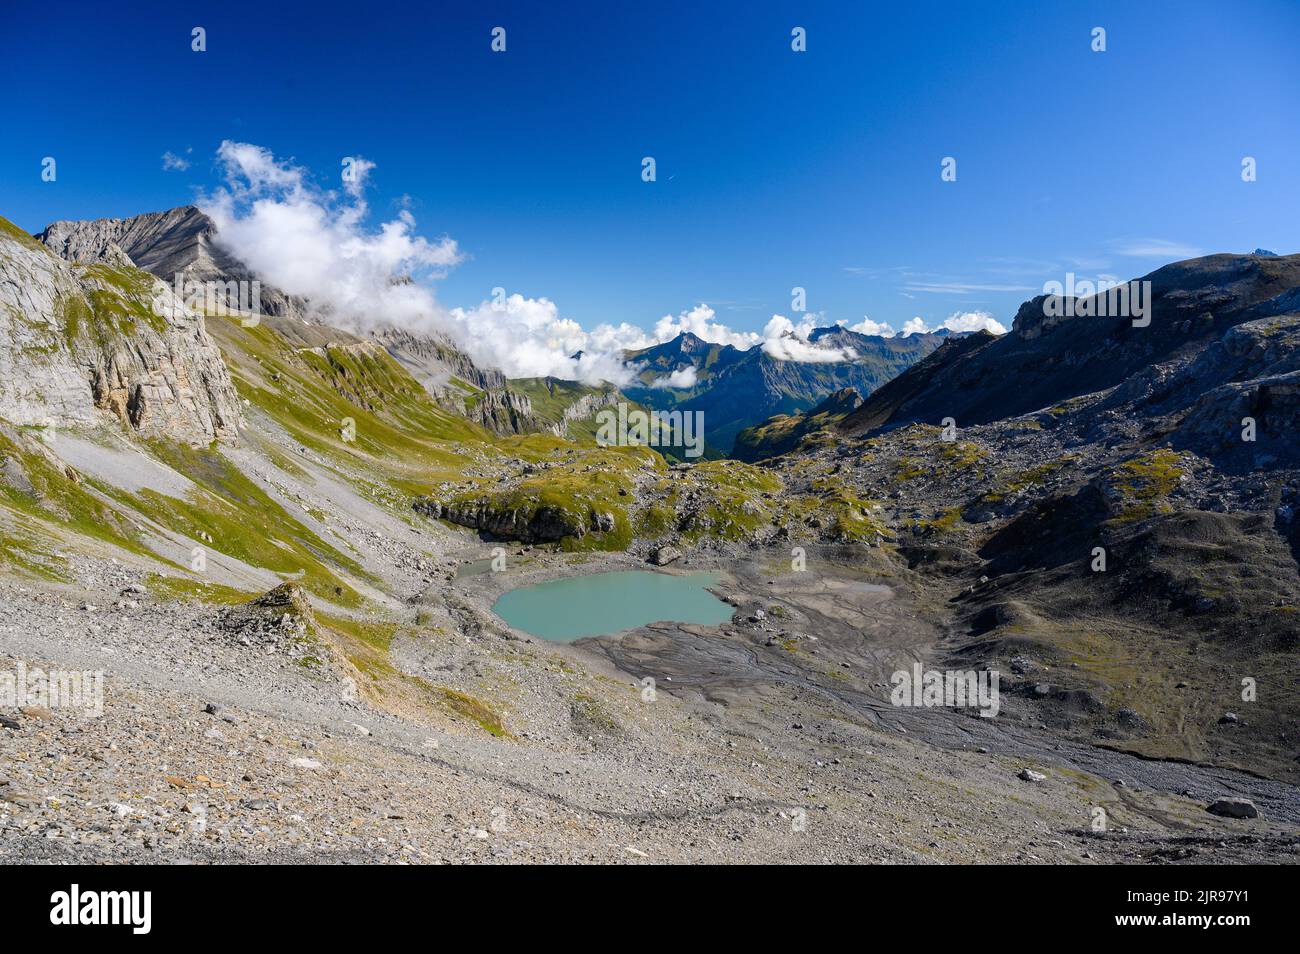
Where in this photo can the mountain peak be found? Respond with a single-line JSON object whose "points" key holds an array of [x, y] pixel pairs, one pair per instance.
{"points": [[688, 342]]}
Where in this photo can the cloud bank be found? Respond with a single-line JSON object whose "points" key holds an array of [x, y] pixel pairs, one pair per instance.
{"points": [[314, 242], [956, 322]]}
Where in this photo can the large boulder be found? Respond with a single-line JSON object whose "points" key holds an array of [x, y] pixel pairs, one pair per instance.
{"points": [[1234, 808]]}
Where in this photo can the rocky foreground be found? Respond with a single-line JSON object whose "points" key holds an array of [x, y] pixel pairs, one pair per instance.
{"points": [[217, 744]]}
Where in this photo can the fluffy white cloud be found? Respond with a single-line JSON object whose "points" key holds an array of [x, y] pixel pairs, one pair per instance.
{"points": [[681, 378], [315, 243], [312, 242], [172, 162], [528, 338], [974, 321], [700, 322], [957, 322], [786, 341], [868, 327], [355, 172]]}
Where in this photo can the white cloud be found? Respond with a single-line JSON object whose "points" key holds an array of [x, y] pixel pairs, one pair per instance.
{"points": [[700, 322], [312, 242], [1156, 248], [974, 321], [355, 172], [781, 338], [962, 288], [957, 322], [528, 338], [681, 378], [786, 341], [868, 327], [315, 243], [171, 161]]}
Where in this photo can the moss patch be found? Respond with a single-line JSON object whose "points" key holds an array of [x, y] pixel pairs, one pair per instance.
{"points": [[473, 709]]}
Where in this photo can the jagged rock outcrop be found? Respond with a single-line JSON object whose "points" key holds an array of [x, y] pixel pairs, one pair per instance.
{"points": [[82, 343], [180, 242], [585, 407], [435, 361], [557, 405], [453, 380], [530, 524], [280, 620], [1246, 425], [503, 411]]}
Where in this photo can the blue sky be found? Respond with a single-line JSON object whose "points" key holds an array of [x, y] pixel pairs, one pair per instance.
{"points": [[775, 169]]}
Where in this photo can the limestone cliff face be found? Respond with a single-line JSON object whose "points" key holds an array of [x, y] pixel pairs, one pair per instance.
{"points": [[434, 359], [178, 242], [82, 344], [585, 407]]}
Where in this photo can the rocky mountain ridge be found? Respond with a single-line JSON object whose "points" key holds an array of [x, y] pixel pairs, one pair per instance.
{"points": [[79, 342]]}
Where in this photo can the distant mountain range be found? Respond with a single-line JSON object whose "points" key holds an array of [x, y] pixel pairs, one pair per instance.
{"points": [[738, 388]]}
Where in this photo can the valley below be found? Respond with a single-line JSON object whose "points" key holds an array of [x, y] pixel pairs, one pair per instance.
{"points": [[279, 542]]}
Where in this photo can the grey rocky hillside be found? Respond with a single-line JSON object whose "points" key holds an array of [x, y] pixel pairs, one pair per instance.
{"points": [[1109, 511]]}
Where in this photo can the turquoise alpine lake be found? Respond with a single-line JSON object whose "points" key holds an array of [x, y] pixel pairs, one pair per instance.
{"points": [[604, 603]]}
